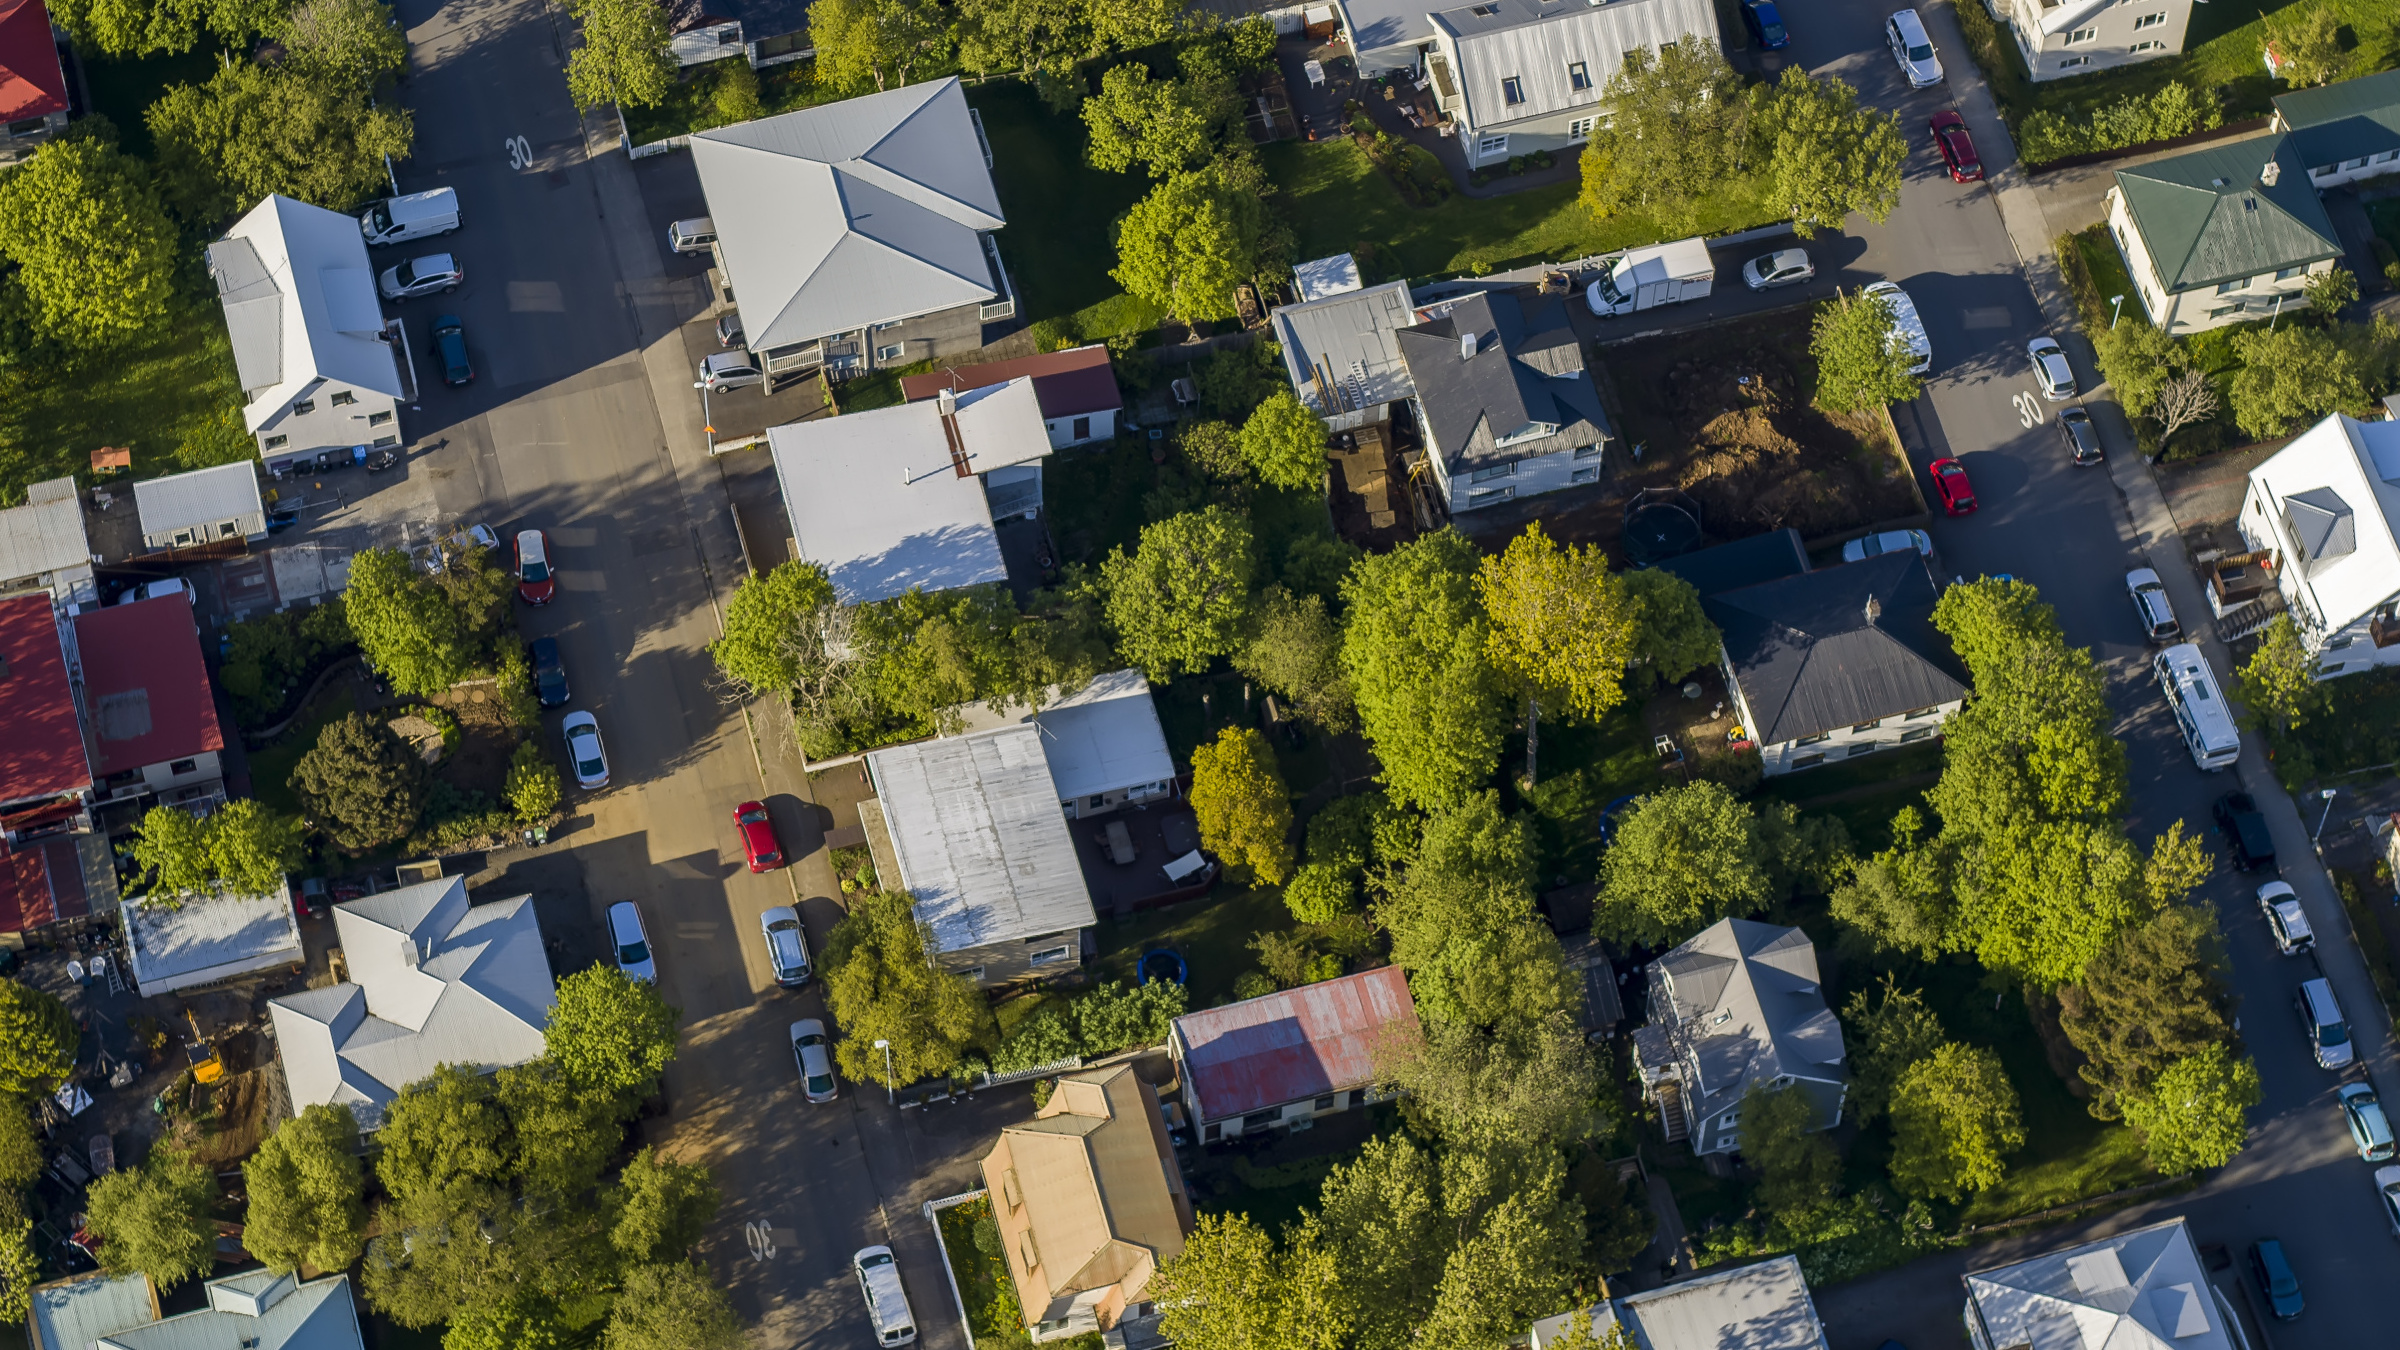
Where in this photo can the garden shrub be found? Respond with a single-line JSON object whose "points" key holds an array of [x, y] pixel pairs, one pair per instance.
{"points": [[270, 659], [1109, 1017], [2136, 119]]}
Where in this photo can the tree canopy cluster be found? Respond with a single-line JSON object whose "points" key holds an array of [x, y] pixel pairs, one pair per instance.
{"points": [[881, 984], [245, 847]]}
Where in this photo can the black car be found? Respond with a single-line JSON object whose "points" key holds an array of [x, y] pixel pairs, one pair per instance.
{"points": [[2275, 1278], [2244, 831], [1765, 25], [549, 674], [450, 348], [2082, 438]]}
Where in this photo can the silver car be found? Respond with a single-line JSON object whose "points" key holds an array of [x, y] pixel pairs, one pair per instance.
{"points": [[2387, 1189], [1784, 267], [2050, 369], [1912, 47], [584, 751], [2151, 604], [421, 276], [814, 1054], [2286, 921], [632, 941], [721, 371], [1890, 541]]}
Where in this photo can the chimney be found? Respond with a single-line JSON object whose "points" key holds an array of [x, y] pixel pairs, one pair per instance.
{"points": [[2270, 173], [1874, 609], [947, 403], [408, 951], [1466, 346]]}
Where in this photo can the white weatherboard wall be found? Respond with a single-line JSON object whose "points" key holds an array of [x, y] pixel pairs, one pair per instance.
{"points": [[2326, 505], [200, 507]]}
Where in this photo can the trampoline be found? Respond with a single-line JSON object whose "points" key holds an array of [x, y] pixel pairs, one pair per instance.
{"points": [[1162, 964], [1660, 524]]}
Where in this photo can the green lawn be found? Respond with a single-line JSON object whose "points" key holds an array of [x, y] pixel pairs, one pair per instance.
{"points": [[1863, 794], [1213, 934], [271, 768], [123, 87], [1582, 768], [2103, 276], [153, 395], [1058, 246]]}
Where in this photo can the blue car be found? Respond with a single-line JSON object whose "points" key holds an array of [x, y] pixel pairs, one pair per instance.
{"points": [[450, 349], [549, 674], [1765, 25], [2275, 1278]]}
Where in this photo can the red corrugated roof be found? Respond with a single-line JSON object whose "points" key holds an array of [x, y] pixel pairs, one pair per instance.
{"points": [[31, 82], [41, 755], [1066, 384], [144, 684], [1300, 1043], [40, 883]]}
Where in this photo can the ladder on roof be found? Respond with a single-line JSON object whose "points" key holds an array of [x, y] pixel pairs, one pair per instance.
{"points": [[1670, 1112]]}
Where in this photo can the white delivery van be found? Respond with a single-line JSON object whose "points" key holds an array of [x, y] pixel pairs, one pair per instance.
{"points": [[419, 215], [2200, 711], [1662, 274], [1908, 328]]}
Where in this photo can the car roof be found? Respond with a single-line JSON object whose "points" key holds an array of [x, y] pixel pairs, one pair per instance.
{"points": [[1907, 20], [807, 1026], [533, 544], [625, 920], [579, 721], [436, 262], [770, 917], [545, 649], [2143, 576], [1948, 120]]}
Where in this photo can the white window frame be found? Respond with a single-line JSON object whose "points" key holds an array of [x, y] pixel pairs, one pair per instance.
{"points": [[1491, 147], [2074, 63], [1512, 91], [2143, 48], [887, 355], [1490, 496], [2142, 21], [1508, 470], [1580, 129], [2080, 36], [1583, 452], [1579, 76], [1588, 475], [1064, 951]]}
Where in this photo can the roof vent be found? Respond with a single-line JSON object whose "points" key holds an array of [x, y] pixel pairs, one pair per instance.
{"points": [[408, 952], [2270, 173], [2250, 203], [1874, 609], [1466, 346], [2218, 182]]}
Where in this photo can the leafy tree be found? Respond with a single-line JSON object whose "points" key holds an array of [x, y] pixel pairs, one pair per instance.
{"points": [[253, 849], [561, 1136], [361, 783], [1676, 136], [2291, 375], [1672, 635], [446, 1135], [663, 1207], [881, 984], [1899, 900], [1285, 443], [1530, 1092], [774, 626], [1514, 1265], [149, 27], [533, 788], [1860, 363], [1381, 1216], [611, 1034], [354, 42], [38, 1039], [1681, 859], [872, 42], [2331, 291], [624, 57], [1462, 924], [1220, 1292], [1797, 1168], [1559, 623], [2307, 43], [2193, 1115], [1320, 893], [1245, 811], [1416, 647], [1294, 648], [512, 1324], [2152, 997], [20, 1265], [1827, 156], [1365, 828], [21, 1160], [173, 848], [1180, 600], [1887, 1036], [2279, 681], [2137, 360], [1197, 236], [1954, 1117], [304, 131], [307, 1193], [94, 250], [671, 1307], [157, 1219], [1164, 125], [409, 631]]}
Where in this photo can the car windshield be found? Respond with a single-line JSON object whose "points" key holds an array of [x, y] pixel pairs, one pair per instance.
{"points": [[819, 1082], [382, 216], [1920, 52], [633, 953], [536, 571], [878, 1259], [2334, 1033], [407, 273], [754, 817]]}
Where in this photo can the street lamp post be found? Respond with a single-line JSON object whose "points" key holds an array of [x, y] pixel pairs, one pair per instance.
{"points": [[886, 1048], [708, 421], [2327, 794], [2116, 309]]}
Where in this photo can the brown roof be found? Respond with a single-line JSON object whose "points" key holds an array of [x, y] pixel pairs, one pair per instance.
{"points": [[1088, 1195], [1066, 384]]}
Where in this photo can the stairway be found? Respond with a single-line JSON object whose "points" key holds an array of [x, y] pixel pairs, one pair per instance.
{"points": [[1670, 1112], [2250, 618]]}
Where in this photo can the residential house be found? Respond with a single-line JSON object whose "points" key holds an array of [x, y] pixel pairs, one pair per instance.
{"points": [[254, 1310], [51, 877], [150, 712], [45, 779], [2059, 38], [43, 546], [1103, 742], [1281, 1061], [906, 498], [1826, 665], [183, 510], [970, 828], [2146, 1287], [1089, 1201], [1764, 1306], [2222, 234], [209, 938], [2327, 508], [858, 235], [320, 369], [1342, 352], [1322, 278], [434, 980], [1076, 388], [2345, 132], [1517, 76], [33, 81], [1739, 1004], [1504, 401]]}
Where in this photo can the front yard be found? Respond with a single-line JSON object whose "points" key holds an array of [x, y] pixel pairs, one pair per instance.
{"points": [[170, 394]]}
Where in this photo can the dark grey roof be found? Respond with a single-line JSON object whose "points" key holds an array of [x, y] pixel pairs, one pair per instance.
{"points": [[1527, 370], [1810, 659], [1742, 1000], [2350, 120], [1744, 562], [253, 312], [2322, 524]]}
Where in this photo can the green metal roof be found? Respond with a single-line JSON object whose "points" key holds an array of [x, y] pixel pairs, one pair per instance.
{"points": [[2208, 216], [2350, 120]]}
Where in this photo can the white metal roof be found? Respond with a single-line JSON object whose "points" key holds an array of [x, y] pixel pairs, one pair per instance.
{"points": [[853, 213], [300, 305], [981, 842], [873, 499], [2331, 502], [1321, 277], [2134, 1291], [201, 497], [1102, 737], [210, 938], [1534, 43], [1765, 1306], [1346, 341], [42, 536]]}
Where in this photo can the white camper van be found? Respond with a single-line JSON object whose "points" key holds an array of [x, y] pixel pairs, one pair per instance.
{"points": [[419, 215], [1662, 274]]}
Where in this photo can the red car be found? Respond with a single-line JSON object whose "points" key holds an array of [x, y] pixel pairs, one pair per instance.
{"points": [[1951, 485], [531, 562], [759, 843], [1958, 148]]}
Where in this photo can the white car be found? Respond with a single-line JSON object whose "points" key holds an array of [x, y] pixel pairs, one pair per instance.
{"points": [[2050, 369], [152, 590], [1784, 267], [2387, 1189], [632, 942], [2151, 604], [2286, 922], [887, 1303], [1890, 541], [814, 1054], [720, 371], [1912, 47], [584, 750], [1908, 331], [421, 276]]}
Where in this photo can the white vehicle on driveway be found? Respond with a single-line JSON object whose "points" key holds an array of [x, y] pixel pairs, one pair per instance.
{"points": [[887, 1303], [1784, 267], [1890, 541], [421, 276], [1908, 331], [584, 750], [1912, 47], [632, 942], [2050, 369]]}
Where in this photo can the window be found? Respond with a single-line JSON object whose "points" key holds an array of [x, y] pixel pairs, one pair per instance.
{"points": [[2143, 21], [1051, 955], [1583, 452], [1358, 1098], [226, 529], [1581, 128], [1868, 726], [2358, 163], [2074, 62], [887, 327], [1915, 734], [1919, 714], [891, 353], [974, 973], [1096, 801], [1083, 429], [2321, 171], [1325, 1103], [1867, 748], [277, 442], [304, 407], [1590, 475], [2141, 47], [344, 399], [1808, 761], [1508, 470], [1213, 1133], [379, 419], [2222, 310], [2337, 643], [2288, 273], [2384, 157], [1266, 1117], [1729, 1119], [382, 441], [1579, 75], [2229, 287], [1818, 739], [1489, 497], [1512, 91], [1491, 147], [2082, 35], [183, 766]]}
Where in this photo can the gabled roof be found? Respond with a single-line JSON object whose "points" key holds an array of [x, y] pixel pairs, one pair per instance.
{"points": [[42, 881], [1765, 1306], [201, 497], [1342, 352], [1526, 372], [1067, 384], [2142, 1290], [42, 753], [2349, 120], [981, 843], [145, 685], [853, 213], [1292, 1045], [2208, 216], [1534, 41], [44, 535], [255, 1310], [32, 83], [1746, 1001], [300, 306], [1104, 736], [2333, 496], [1811, 658], [1744, 562], [874, 499]]}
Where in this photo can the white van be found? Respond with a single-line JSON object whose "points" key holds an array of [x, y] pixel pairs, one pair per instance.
{"points": [[887, 1302], [2200, 712], [2321, 1018], [419, 215], [1908, 329]]}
